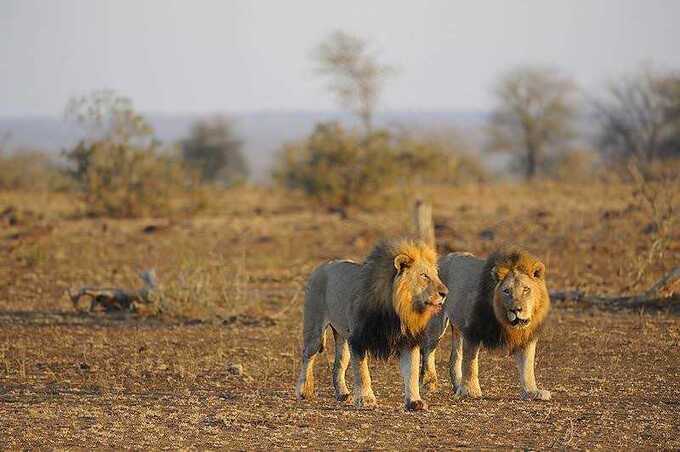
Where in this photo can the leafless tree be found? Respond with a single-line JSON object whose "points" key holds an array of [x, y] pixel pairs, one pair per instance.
{"points": [[356, 77], [107, 115], [640, 116], [534, 113]]}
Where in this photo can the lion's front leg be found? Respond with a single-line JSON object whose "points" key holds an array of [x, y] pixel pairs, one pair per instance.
{"points": [[363, 392], [469, 384], [428, 370], [525, 364], [409, 365], [428, 347]]}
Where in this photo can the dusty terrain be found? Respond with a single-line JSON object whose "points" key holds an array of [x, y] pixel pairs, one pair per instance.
{"points": [[232, 279]]}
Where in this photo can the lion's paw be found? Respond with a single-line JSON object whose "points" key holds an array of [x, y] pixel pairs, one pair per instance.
{"points": [[345, 398], [539, 394], [416, 405], [429, 385], [468, 391], [365, 402], [305, 394]]}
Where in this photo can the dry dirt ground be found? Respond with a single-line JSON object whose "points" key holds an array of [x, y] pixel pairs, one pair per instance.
{"points": [[232, 279]]}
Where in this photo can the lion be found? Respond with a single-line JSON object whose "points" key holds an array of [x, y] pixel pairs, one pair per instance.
{"points": [[380, 308], [497, 303]]}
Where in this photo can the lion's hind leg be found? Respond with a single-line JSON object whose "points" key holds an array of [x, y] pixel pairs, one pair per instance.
{"points": [[340, 365], [313, 345], [313, 331], [469, 386], [456, 359], [305, 385]]}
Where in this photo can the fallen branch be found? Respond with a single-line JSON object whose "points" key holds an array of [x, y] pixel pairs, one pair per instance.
{"points": [[146, 299], [665, 292], [668, 284]]}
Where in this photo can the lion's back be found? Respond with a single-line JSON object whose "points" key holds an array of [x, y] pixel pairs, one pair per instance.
{"points": [[342, 278], [461, 272], [330, 291]]}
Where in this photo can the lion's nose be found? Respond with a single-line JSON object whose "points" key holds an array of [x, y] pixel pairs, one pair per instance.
{"points": [[516, 309], [443, 292]]}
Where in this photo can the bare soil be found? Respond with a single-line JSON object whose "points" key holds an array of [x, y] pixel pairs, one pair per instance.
{"points": [[233, 280]]}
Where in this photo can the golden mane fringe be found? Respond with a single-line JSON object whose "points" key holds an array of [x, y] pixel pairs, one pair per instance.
{"points": [[394, 293], [522, 261]]}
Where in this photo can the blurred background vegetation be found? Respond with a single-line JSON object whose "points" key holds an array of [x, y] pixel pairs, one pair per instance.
{"points": [[542, 121]]}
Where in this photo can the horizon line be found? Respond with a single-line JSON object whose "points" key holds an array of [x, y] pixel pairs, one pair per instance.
{"points": [[228, 113]]}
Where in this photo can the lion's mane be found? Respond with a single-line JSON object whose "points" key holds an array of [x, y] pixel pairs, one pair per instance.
{"points": [[385, 321]]}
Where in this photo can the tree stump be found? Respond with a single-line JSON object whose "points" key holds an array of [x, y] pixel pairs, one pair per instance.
{"points": [[423, 222]]}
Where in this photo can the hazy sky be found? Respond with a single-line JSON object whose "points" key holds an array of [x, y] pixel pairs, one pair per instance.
{"points": [[208, 56]]}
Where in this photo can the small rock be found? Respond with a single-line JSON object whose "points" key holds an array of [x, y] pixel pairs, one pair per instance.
{"points": [[235, 369], [487, 234]]}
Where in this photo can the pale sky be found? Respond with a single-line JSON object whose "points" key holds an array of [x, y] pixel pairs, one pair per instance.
{"points": [[210, 56]]}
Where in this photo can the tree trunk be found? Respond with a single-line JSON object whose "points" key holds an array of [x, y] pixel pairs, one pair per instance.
{"points": [[532, 162], [367, 122]]}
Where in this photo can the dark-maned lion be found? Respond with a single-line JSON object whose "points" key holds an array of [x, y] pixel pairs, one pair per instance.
{"points": [[380, 307], [500, 303]]}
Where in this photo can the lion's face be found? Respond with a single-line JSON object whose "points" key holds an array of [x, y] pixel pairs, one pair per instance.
{"points": [[520, 291], [418, 279]]}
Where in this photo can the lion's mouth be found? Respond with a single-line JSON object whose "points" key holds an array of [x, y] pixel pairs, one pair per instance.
{"points": [[516, 321], [435, 305]]}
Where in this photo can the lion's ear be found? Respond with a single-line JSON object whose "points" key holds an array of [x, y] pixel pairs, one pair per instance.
{"points": [[402, 262], [498, 273], [539, 271]]}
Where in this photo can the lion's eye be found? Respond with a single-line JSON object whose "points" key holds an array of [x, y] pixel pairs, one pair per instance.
{"points": [[507, 291], [526, 291], [424, 276]]}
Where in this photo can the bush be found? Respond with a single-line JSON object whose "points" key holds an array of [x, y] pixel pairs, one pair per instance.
{"points": [[31, 171], [340, 168], [655, 192], [124, 181], [336, 167], [577, 165], [119, 165], [435, 160], [213, 150]]}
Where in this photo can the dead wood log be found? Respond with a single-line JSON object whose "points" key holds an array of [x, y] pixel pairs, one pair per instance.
{"points": [[665, 292], [145, 299]]}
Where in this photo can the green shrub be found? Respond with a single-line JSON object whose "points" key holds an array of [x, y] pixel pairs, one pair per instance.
{"points": [[342, 168], [336, 167], [214, 151], [119, 166], [434, 160], [125, 181], [31, 171]]}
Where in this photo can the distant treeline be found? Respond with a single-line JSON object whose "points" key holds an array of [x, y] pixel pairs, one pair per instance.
{"points": [[122, 169]]}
